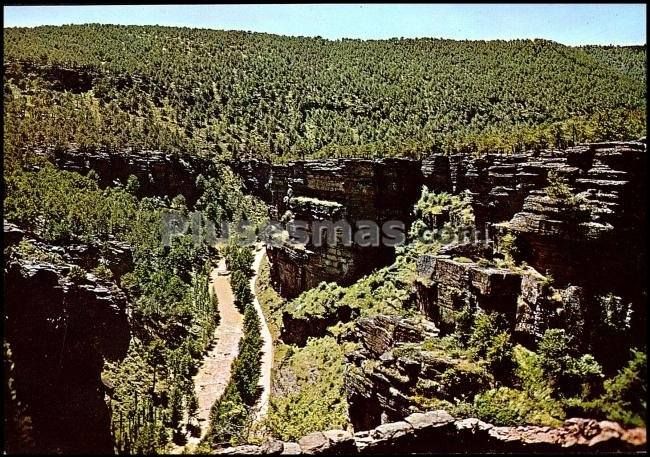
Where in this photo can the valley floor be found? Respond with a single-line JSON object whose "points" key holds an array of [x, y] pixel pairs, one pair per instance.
{"points": [[214, 373]]}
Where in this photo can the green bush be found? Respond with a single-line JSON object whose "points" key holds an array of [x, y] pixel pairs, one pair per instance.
{"points": [[77, 274], [555, 354], [507, 406], [484, 330], [499, 357], [103, 272], [463, 381], [464, 323], [569, 374], [311, 393], [625, 395], [508, 247]]}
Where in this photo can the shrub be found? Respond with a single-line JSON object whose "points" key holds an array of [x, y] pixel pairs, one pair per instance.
{"points": [[464, 324], [625, 395], [554, 352], [499, 356], [485, 328], [508, 247], [584, 376], [77, 274], [568, 373], [507, 406], [558, 188], [321, 301], [485, 263], [103, 272], [132, 184], [463, 381]]}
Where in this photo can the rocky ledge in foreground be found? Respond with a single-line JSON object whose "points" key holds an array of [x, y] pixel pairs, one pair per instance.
{"points": [[437, 431]]}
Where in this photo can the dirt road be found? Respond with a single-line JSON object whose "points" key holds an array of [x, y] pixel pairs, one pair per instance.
{"points": [[214, 373], [267, 347]]}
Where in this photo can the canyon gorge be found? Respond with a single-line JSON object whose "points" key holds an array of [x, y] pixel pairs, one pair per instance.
{"points": [[576, 239]]}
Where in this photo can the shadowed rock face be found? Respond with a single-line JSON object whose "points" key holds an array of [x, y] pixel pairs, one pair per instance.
{"points": [[159, 174], [337, 190], [57, 335]]}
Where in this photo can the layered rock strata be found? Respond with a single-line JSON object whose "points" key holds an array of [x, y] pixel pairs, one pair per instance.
{"points": [[342, 193], [159, 174], [58, 332], [609, 177]]}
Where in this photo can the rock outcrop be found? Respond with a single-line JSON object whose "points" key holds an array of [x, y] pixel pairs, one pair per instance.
{"points": [[297, 329], [59, 329], [159, 174], [397, 364], [473, 277], [255, 175], [572, 232], [449, 283], [330, 193], [115, 255], [437, 432], [609, 179]]}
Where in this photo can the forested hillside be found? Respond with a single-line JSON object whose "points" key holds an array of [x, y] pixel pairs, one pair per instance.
{"points": [[253, 94]]}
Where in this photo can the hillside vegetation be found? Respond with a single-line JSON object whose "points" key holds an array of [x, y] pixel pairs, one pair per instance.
{"points": [[252, 94]]}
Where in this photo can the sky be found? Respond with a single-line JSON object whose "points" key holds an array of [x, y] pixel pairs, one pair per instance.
{"points": [[570, 24]]}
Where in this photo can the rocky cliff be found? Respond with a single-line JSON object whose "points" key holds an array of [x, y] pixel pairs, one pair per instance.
{"points": [[603, 227], [159, 174], [571, 231], [346, 191], [59, 329]]}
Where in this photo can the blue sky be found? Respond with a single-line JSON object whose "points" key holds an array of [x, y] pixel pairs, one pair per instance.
{"points": [[569, 24]]}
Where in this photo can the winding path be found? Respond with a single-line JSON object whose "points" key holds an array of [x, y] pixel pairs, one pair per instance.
{"points": [[267, 347]]}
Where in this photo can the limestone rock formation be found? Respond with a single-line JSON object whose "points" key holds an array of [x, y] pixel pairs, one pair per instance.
{"points": [[58, 331], [393, 367], [451, 283], [255, 176], [297, 329], [608, 179], [159, 174], [117, 256], [348, 191]]}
